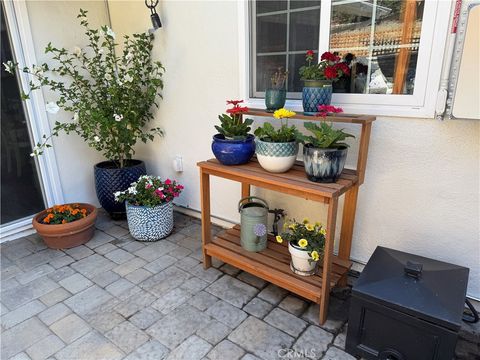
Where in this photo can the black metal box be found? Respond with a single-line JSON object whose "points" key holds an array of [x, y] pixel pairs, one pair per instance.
{"points": [[406, 307]]}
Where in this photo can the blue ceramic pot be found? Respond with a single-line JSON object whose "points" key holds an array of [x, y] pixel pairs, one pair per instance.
{"points": [[110, 179], [323, 165], [275, 99], [314, 94], [233, 152]]}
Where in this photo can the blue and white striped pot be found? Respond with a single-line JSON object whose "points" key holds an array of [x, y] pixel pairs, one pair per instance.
{"points": [[276, 157], [323, 165], [150, 223]]}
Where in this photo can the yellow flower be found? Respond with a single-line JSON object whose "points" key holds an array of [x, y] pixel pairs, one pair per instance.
{"points": [[310, 227], [315, 255], [305, 221], [285, 226], [283, 113], [318, 223], [323, 231], [302, 243], [279, 239], [292, 226]]}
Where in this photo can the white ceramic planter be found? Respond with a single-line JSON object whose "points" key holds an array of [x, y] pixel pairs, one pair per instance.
{"points": [[300, 263], [150, 223], [276, 157]]}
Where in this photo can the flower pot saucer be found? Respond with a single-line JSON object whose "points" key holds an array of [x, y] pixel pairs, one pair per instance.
{"points": [[302, 273]]}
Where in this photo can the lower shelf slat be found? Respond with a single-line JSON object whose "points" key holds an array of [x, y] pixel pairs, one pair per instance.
{"points": [[272, 265]]}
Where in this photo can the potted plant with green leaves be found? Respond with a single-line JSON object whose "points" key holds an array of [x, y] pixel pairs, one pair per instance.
{"points": [[318, 78], [149, 203], [306, 244], [277, 148], [324, 152], [276, 94], [233, 145], [110, 94]]}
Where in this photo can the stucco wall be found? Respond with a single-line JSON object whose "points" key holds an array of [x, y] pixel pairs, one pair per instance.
{"points": [[421, 192]]}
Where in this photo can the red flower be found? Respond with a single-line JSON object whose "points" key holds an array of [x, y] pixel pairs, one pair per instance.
{"points": [[327, 55], [234, 102], [237, 110], [310, 53], [331, 72], [324, 110], [343, 68], [168, 182]]}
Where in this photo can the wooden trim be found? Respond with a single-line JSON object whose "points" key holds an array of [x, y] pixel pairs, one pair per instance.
{"points": [[409, 8], [348, 220], [341, 118], [363, 151]]}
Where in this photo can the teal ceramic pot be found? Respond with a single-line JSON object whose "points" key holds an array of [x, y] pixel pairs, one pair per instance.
{"points": [[275, 99], [276, 157], [323, 165], [314, 94]]}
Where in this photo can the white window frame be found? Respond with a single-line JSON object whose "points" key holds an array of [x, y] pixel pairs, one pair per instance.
{"points": [[16, 14], [429, 66]]}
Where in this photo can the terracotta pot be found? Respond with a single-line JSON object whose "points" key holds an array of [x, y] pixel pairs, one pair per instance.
{"points": [[65, 236]]}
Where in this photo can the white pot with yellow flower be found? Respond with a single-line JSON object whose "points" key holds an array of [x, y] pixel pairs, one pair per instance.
{"points": [[277, 148], [306, 243]]}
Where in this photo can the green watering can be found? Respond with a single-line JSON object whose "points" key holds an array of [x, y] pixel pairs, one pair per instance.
{"points": [[253, 223]]}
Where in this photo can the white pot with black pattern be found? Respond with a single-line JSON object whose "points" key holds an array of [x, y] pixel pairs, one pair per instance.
{"points": [[276, 157], [150, 223]]}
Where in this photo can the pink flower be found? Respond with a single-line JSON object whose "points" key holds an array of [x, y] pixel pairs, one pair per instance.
{"points": [[148, 186], [324, 110], [168, 182]]}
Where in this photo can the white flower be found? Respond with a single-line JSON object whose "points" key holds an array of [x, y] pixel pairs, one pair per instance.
{"points": [[9, 66], [96, 138], [132, 190], [128, 78], [118, 117], [129, 57], [117, 194], [77, 51], [52, 107], [75, 117], [100, 51], [35, 151], [108, 77], [110, 33], [37, 70]]}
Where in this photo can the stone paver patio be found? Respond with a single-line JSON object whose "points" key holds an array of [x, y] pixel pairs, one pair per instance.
{"points": [[117, 298]]}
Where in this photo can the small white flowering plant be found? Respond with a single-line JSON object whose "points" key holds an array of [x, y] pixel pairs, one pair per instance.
{"points": [[150, 191], [109, 93], [307, 236]]}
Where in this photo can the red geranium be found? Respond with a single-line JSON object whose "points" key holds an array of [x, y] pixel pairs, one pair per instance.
{"points": [[331, 72], [310, 53], [343, 68], [327, 55]]}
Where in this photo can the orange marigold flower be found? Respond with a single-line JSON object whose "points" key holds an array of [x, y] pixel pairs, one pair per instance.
{"points": [[64, 221]]}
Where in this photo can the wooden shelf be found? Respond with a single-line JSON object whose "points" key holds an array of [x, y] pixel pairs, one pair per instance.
{"points": [[293, 182], [342, 118], [273, 264]]}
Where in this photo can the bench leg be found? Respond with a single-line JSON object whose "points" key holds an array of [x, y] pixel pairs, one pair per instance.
{"points": [[327, 258], [206, 231]]}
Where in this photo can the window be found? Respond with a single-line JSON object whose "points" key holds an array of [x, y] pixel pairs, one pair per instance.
{"points": [[388, 45]]}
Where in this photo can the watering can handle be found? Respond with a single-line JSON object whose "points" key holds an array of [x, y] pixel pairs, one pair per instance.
{"points": [[240, 203]]}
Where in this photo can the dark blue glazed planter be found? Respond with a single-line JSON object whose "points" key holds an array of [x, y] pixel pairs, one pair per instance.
{"points": [[314, 94], [110, 179], [233, 152], [275, 99], [323, 165]]}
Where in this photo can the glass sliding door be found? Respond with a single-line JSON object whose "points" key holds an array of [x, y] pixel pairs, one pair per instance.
{"points": [[21, 189]]}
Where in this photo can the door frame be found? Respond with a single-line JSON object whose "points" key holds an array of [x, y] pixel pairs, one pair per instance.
{"points": [[18, 24]]}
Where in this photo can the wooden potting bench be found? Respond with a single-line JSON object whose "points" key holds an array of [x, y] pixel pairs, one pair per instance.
{"points": [[272, 264]]}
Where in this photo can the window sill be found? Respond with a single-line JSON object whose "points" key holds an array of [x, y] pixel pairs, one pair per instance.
{"points": [[358, 109]]}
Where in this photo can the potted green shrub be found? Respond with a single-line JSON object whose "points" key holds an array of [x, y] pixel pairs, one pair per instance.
{"points": [[276, 94], [324, 153], [110, 94], [318, 78], [149, 203], [233, 145], [277, 148], [306, 244]]}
